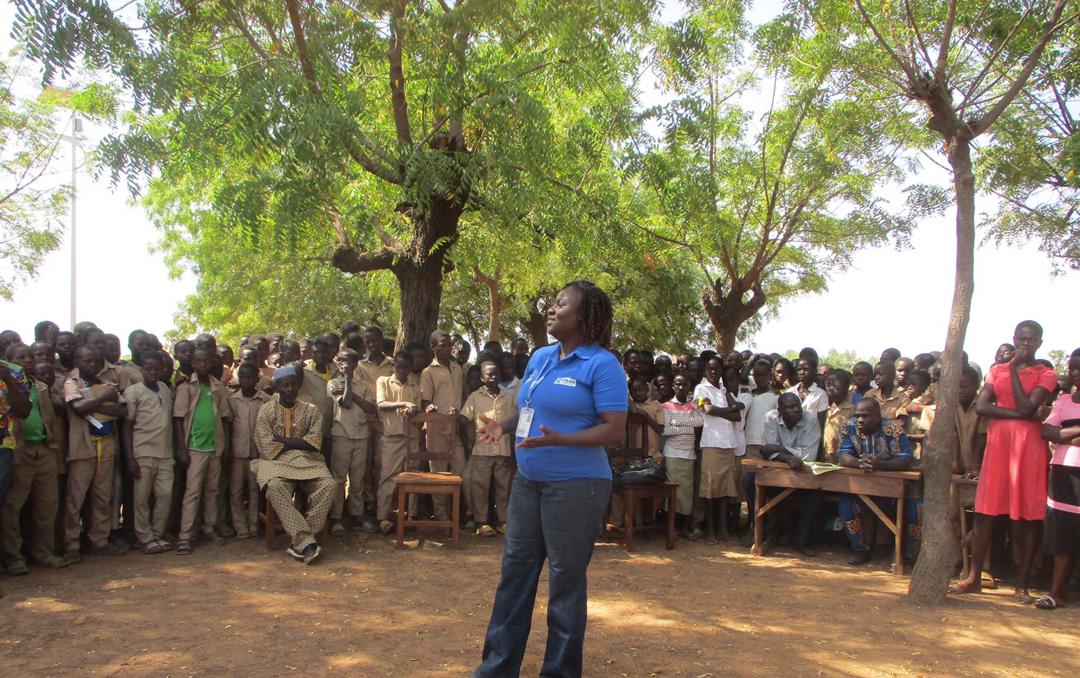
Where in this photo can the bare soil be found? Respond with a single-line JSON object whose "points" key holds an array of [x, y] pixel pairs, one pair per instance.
{"points": [[368, 609]]}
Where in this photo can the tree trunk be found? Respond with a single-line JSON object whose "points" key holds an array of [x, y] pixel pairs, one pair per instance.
{"points": [[537, 325], [420, 293], [495, 303], [420, 271], [930, 579], [727, 312]]}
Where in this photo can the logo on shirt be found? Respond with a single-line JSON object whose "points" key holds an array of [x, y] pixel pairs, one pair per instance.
{"points": [[566, 381]]}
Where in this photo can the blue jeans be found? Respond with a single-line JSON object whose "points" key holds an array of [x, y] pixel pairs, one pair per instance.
{"points": [[558, 521], [7, 458]]}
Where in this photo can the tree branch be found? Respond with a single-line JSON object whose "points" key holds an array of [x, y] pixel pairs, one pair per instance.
{"points": [[348, 260], [904, 66], [946, 38], [1030, 63], [302, 49], [397, 75]]}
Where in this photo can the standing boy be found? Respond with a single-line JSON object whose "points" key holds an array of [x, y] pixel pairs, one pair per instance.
{"points": [[93, 407], [33, 475], [841, 408], [441, 387], [244, 405], [398, 398], [149, 448], [353, 402], [489, 461], [201, 417]]}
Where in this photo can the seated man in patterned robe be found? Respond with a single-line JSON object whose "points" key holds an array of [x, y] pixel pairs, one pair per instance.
{"points": [[288, 435]]}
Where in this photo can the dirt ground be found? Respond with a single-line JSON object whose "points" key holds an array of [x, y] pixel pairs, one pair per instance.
{"points": [[368, 609]]}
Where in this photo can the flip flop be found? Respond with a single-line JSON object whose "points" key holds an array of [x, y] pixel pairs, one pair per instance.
{"points": [[1048, 603], [960, 589]]}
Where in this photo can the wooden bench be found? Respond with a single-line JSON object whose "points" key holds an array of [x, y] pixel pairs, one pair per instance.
{"points": [[845, 480]]}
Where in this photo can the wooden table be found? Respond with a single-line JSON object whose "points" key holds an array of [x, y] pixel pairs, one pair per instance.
{"points": [[848, 481]]}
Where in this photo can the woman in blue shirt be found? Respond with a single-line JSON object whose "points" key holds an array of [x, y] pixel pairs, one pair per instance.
{"points": [[572, 401]]}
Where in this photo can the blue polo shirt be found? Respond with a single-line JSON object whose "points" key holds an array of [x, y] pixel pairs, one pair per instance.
{"points": [[568, 395]]}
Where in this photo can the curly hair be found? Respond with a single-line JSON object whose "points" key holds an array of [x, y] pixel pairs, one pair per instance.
{"points": [[595, 311]]}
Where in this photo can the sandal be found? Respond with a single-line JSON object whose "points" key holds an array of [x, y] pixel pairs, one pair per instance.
{"points": [[1048, 603], [183, 548], [961, 588], [153, 547]]}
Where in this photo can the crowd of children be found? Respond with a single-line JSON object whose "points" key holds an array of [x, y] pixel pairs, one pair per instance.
{"points": [[160, 450]]}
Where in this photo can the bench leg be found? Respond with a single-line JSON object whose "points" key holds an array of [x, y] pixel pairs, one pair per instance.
{"points": [[455, 514], [629, 499], [898, 564], [965, 545], [401, 497], [759, 519], [671, 519]]}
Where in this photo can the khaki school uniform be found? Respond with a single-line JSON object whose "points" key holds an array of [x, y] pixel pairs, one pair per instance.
{"points": [[204, 468], [313, 391], [349, 439], [441, 385], [836, 419], [242, 483], [91, 462], [371, 371], [34, 476], [891, 406], [150, 416], [398, 435], [489, 462]]}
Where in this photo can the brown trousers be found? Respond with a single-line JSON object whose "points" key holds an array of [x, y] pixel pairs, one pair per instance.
{"points": [[456, 465], [154, 485], [242, 483], [203, 480], [33, 477], [478, 476], [95, 477], [391, 462], [348, 459]]}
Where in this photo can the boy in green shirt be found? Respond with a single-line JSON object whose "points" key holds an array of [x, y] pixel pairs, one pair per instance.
{"points": [[201, 429]]}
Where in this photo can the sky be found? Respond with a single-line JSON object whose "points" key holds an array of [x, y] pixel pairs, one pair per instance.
{"points": [[887, 298]]}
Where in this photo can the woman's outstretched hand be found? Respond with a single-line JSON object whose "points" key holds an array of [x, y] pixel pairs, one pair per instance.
{"points": [[489, 430], [548, 437]]}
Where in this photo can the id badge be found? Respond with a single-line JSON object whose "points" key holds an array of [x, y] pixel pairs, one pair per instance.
{"points": [[525, 418]]}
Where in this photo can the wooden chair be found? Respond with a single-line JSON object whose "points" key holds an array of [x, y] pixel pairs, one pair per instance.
{"points": [[429, 482], [632, 495]]}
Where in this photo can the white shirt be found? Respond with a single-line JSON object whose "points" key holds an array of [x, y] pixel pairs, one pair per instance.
{"points": [[760, 405], [744, 397], [816, 400], [717, 432]]}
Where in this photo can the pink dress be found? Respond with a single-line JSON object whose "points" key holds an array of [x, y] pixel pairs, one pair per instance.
{"points": [[1012, 481]]}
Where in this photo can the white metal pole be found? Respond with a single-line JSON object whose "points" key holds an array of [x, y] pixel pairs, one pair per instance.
{"points": [[75, 125]]}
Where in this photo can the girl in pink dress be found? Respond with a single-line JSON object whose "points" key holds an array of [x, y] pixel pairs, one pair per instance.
{"points": [[1061, 535], [1012, 481]]}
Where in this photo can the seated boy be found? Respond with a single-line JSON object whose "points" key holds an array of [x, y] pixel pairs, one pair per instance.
{"points": [[244, 405], [398, 398], [354, 402], [288, 434], [873, 443], [148, 444], [93, 407], [488, 462], [201, 417]]}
